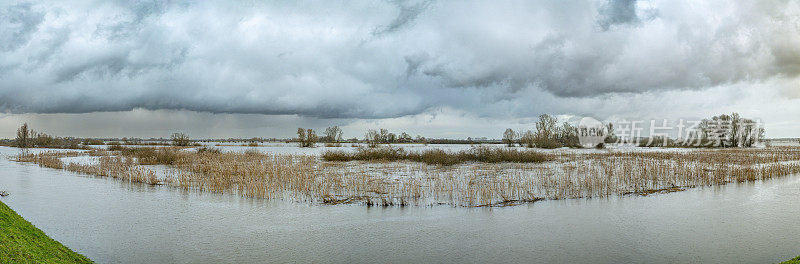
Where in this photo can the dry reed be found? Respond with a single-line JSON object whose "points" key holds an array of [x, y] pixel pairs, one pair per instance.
{"points": [[487, 181]]}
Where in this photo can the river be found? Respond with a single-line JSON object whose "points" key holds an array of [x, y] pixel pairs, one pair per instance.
{"points": [[114, 222]]}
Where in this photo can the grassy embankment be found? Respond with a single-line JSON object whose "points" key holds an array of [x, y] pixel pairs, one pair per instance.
{"points": [[795, 260], [21, 242]]}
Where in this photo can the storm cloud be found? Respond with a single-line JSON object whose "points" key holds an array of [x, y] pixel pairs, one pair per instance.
{"points": [[367, 59]]}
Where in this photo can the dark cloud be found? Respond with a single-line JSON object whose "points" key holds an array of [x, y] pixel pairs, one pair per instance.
{"points": [[19, 22], [618, 12], [386, 59], [408, 12]]}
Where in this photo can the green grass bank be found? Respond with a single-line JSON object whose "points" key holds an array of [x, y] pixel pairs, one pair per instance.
{"points": [[21, 242], [795, 260]]}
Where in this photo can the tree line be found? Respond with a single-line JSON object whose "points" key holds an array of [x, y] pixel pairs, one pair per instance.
{"points": [[548, 134], [723, 131], [28, 138], [307, 137]]}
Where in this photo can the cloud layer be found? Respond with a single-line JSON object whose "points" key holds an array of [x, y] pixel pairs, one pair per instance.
{"points": [[349, 59]]}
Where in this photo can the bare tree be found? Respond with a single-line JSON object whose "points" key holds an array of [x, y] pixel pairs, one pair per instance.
{"points": [[528, 139], [23, 136], [373, 138], [384, 135], [332, 134], [180, 139], [610, 136], [509, 137], [568, 135], [735, 133], [405, 138], [301, 135], [306, 137], [546, 132], [311, 138]]}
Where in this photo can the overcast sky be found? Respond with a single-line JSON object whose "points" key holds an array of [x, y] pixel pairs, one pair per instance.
{"points": [[437, 68]]}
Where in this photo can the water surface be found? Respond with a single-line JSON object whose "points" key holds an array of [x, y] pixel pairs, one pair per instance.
{"points": [[114, 222]]}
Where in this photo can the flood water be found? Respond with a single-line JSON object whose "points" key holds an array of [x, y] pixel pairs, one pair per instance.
{"points": [[114, 222]]}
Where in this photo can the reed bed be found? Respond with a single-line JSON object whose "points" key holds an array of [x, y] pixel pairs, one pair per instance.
{"points": [[123, 168], [438, 156], [478, 177]]}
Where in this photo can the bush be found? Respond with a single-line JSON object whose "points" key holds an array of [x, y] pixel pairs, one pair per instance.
{"points": [[180, 139], [208, 150], [547, 143], [151, 156], [114, 146], [600, 146]]}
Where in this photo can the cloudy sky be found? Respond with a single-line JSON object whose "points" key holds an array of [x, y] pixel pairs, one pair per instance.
{"points": [[437, 68]]}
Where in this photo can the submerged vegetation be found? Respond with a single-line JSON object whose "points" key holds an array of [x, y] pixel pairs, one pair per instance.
{"points": [[21, 242], [438, 156], [481, 176]]}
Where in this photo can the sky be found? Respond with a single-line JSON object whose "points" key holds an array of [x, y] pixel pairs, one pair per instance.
{"points": [[445, 69]]}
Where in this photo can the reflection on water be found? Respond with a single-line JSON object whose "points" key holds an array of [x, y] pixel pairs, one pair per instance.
{"points": [[111, 221]]}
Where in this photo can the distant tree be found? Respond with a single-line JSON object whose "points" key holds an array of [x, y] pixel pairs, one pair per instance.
{"points": [[610, 136], [311, 138], [180, 139], [568, 135], [727, 131], [306, 137], [373, 138], [528, 139], [332, 134], [384, 135], [301, 135], [23, 139], [546, 132], [391, 138], [44, 140], [509, 137], [405, 138], [735, 132]]}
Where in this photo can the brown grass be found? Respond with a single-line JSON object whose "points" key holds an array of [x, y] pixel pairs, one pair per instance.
{"points": [[438, 156], [487, 179]]}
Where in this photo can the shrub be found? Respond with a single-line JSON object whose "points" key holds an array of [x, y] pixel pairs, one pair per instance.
{"points": [[600, 146], [209, 150], [150, 156], [180, 139], [114, 146]]}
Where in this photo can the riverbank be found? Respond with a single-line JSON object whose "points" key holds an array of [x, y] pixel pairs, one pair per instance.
{"points": [[795, 260], [21, 242]]}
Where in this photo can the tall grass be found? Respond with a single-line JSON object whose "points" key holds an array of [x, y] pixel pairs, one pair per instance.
{"points": [[476, 177], [438, 156]]}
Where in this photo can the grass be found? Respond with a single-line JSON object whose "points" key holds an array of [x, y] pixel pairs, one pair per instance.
{"points": [[21, 242], [438, 156], [477, 177], [152, 156], [795, 260]]}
